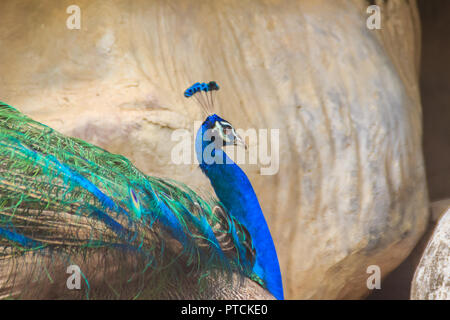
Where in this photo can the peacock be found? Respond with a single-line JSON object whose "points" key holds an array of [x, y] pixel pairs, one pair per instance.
{"points": [[68, 205]]}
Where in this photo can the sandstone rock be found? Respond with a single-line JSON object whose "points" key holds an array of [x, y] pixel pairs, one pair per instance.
{"points": [[397, 285], [350, 191], [432, 277]]}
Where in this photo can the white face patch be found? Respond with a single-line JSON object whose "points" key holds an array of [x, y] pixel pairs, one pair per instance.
{"points": [[225, 130]]}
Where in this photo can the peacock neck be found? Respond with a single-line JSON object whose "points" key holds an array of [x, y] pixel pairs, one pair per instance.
{"points": [[236, 193]]}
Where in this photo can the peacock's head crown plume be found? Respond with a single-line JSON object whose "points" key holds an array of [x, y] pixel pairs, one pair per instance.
{"points": [[221, 131], [203, 93]]}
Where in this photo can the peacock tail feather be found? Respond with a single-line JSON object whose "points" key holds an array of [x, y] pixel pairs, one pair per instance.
{"points": [[66, 202]]}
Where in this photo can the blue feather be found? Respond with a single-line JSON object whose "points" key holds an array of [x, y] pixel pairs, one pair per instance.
{"points": [[19, 239], [235, 191]]}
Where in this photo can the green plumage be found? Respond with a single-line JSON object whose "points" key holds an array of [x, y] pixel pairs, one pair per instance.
{"points": [[133, 236]]}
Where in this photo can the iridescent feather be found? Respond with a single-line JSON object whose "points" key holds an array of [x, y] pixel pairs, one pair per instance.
{"points": [[66, 202]]}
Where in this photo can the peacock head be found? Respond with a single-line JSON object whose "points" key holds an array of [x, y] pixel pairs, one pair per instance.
{"points": [[221, 132], [214, 127]]}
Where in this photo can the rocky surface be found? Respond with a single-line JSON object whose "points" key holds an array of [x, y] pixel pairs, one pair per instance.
{"points": [[350, 191], [397, 285], [432, 277]]}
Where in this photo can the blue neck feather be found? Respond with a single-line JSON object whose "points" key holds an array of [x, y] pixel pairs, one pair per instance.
{"points": [[234, 190]]}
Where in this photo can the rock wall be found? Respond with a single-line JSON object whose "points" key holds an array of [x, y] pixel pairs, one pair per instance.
{"points": [[397, 285], [350, 191]]}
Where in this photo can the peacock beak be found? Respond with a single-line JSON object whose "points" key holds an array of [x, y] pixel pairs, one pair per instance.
{"points": [[238, 141]]}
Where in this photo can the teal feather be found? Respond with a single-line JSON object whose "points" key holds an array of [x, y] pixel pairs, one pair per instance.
{"points": [[65, 201]]}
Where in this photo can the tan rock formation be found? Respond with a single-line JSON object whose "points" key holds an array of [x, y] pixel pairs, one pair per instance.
{"points": [[432, 277]]}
